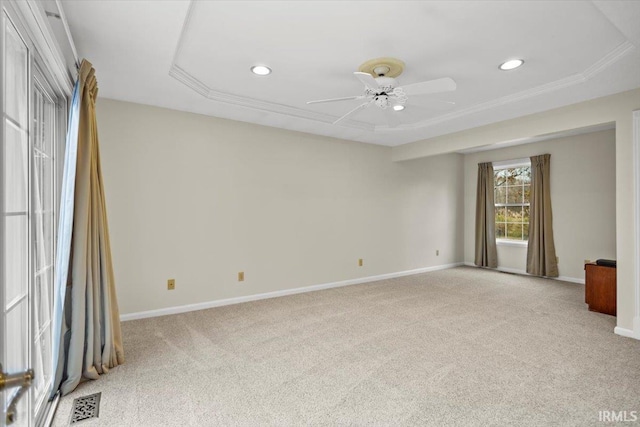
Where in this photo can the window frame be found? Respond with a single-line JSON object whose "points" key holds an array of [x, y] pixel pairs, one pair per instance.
{"points": [[510, 164]]}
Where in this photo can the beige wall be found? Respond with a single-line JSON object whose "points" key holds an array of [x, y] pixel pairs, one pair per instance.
{"points": [[583, 186], [615, 108], [199, 199]]}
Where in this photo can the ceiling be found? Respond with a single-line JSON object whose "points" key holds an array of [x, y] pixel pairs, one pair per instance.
{"points": [[196, 57]]}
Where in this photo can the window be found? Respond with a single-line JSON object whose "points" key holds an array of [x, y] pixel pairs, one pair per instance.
{"points": [[512, 189]]}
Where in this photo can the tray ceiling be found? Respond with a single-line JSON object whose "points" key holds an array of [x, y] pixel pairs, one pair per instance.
{"points": [[196, 56]]}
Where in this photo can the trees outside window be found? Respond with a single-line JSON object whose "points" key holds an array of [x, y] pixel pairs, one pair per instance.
{"points": [[512, 188]]}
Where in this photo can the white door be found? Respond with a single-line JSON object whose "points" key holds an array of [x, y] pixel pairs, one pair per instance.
{"points": [[31, 128]]}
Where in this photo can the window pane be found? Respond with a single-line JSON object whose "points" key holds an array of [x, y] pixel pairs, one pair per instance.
{"points": [[527, 193], [522, 175], [525, 231], [499, 177], [514, 194], [500, 231], [501, 214], [525, 214], [500, 195], [514, 214], [514, 231]]}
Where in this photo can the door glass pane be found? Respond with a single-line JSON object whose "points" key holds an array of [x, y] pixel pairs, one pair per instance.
{"points": [[42, 309], [16, 253], [42, 349], [16, 333], [15, 168], [16, 353], [16, 76]]}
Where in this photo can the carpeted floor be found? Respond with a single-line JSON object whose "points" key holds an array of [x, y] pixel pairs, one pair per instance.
{"points": [[460, 347]]}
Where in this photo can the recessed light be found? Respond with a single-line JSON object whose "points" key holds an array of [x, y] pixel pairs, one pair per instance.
{"points": [[398, 107], [261, 70], [511, 64]]}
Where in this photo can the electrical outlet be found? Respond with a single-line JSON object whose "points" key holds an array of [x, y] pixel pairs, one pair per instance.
{"points": [[171, 284], [437, 252], [360, 262], [241, 276]]}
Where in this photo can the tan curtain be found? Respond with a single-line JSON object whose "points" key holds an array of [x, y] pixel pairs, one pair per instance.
{"points": [[91, 339], [486, 252], [541, 253]]}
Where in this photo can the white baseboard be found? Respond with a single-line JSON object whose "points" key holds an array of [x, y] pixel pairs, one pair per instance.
{"points": [[624, 332], [275, 294], [524, 273], [630, 333]]}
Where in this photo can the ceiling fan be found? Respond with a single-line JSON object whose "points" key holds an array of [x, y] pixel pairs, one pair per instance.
{"points": [[382, 89]]}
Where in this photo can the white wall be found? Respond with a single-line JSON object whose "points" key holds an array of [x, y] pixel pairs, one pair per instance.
{"points": [[616, 109], [583, 189], [199, 199]]}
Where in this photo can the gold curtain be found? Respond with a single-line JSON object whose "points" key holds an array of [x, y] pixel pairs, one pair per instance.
{"points": [[91, 339], [486, 251], [541, 252]]}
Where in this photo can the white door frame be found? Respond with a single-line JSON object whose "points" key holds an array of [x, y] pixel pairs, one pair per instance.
{"points": [[636, 186]]}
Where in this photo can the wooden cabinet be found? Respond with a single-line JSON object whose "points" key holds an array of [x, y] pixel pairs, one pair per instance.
{"points": [[600, 288]]}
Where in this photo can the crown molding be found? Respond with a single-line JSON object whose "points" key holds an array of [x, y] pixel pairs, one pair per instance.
{"points": [[609, 59], [183, 76], [189, 80]]}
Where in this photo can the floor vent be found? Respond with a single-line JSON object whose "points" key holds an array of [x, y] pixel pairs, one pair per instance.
{"points": [[85, 408]]}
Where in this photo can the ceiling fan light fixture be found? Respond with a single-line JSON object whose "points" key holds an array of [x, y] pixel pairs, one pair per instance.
{"points": [[398, 107], [511, 64], [261, 70]]}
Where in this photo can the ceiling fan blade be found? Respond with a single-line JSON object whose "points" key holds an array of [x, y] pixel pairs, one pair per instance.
{"points": [[367, 79], [444, 84], [393, 119], [346, 98], [354, 111]]}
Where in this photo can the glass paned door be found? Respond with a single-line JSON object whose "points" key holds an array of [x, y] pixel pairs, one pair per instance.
{"points": [[32, 125], [16, 234]]}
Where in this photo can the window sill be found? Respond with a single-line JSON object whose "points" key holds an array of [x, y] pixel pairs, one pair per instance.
{"points": [[504, 242]]}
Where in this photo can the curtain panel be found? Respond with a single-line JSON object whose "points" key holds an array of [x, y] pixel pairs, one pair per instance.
{"points": [[486, 251], [89, 339], [541, 251]]}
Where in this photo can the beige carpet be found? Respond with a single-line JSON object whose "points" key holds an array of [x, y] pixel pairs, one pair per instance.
{"points": [[458, 347]]}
